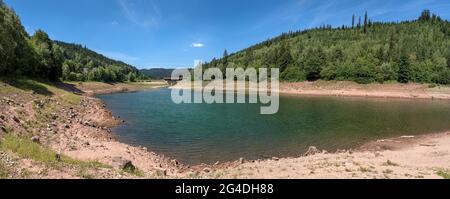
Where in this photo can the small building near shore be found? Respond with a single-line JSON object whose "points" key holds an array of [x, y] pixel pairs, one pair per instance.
{"points": [[172, 80]]}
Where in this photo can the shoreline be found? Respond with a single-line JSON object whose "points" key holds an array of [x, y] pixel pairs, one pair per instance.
{"points": [[89, 138], [417, 157], [351, 89], [372, 146], [92, 91], [152, 164]]}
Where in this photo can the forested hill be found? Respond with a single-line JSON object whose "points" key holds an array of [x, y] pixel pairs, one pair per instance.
{"points": [[37, 56], [74, 50], [367, 51], [84, 64]]}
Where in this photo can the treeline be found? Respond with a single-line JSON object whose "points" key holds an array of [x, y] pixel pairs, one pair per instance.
{"points": [[82, 64], [37, 56], [157, 73], [367, 51]]}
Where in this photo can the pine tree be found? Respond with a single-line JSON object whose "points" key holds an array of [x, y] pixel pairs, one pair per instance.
{"points": [[365, 22], [403, 70], [225, 59], [225, 53], [353, 21], [392, 43], [359, 22], [425, 16], [284, 58]]}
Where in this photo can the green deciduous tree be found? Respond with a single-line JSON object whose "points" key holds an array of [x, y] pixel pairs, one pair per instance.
{"points": [[313, 60], [50, 56]]}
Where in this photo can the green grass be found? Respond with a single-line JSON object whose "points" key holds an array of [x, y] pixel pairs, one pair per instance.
{"points": [[136, 172], [444, 173], [27, 149], [46, 91], [27, 85], [22, 146], [42, 88], [70, 99], [83, 173], [4, 172]]}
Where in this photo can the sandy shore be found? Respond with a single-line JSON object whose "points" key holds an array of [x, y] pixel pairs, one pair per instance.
{"points": [[398, 158], [351, 89], [83, 132], [96, 88]]}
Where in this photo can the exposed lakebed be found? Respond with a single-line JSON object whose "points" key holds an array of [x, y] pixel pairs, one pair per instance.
{"points": [[206, 133]]}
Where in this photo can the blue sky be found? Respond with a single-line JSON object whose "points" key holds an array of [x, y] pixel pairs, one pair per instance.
{"points": [[174, 33]]}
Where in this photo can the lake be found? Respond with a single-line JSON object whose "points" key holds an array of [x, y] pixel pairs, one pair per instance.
{"points": [[206, 133]]}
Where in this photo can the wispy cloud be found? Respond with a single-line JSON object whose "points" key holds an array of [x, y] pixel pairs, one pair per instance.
{"points": [[144, 13], [119, 56], [198, 45], [304, 14], [166, 65], [322, 14], [114, 23], [333, 10], [291, 12]]}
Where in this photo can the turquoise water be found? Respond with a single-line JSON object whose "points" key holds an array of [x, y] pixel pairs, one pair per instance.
{"points": [[202, 133]]}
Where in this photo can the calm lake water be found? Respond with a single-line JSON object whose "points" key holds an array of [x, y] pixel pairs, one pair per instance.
{"points": [[202, 133]]}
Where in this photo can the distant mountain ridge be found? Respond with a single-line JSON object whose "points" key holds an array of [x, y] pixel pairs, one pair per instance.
{"points": [[157, 73]]}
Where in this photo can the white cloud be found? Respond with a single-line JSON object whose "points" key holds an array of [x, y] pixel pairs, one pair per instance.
{"points": [[119, 56], [138, 12], [198, 45], [114, 23]]}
